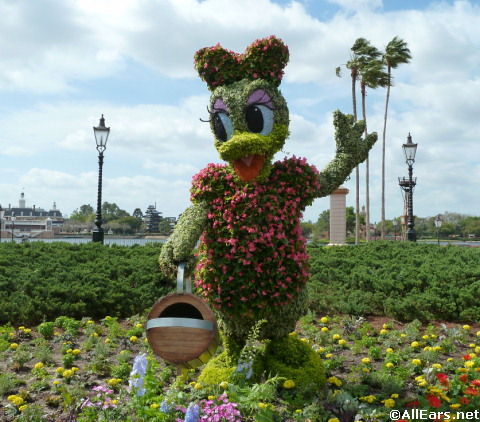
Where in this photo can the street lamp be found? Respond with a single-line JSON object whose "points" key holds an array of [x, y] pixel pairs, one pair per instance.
{"points": [[13, 224], [395, 224], [2, 213], [408, 186], [101, 136], [438, 225]]}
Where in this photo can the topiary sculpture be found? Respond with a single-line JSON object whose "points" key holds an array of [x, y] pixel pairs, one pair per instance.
{"points": [[252, 259]]}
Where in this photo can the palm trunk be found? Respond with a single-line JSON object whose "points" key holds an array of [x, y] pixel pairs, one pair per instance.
{"points": [[357, 170], [367, 172], [384, 231]]}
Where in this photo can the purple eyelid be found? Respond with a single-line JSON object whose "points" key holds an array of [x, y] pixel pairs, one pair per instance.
{"points": [[260, 96], [219, 104]]}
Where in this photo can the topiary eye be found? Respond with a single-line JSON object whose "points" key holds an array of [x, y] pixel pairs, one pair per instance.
{"points": [[222, 126], [259, 119]]}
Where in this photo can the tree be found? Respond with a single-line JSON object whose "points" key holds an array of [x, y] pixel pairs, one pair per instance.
{"points": [[112, 212], [83, 214], [372, 75], [164, 227], [395, 54], [322, 225], [354, 65], [137, 213], [307, 228]]}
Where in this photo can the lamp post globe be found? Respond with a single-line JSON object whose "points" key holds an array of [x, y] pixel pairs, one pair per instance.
{"points": [[438, 225], [408, 185], [101, 133]]}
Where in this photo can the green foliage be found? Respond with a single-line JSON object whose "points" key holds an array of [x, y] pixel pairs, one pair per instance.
{"points": [[42, 281], [295, 360], [46, 329], [403, 280]]}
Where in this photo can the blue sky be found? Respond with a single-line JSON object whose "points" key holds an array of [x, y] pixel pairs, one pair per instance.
{"points": [[65, 63]]}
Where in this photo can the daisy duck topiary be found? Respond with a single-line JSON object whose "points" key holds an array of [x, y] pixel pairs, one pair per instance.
{"points": [[253, 263]]}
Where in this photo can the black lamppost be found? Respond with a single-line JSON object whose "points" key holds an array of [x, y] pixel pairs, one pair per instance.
{"points": [[2, 213], [13, 224], [408, 185], [395, 224], [101, 136], [438, 225]]}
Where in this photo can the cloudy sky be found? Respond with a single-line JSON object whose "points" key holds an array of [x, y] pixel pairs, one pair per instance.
{"points": [[64, 63]]}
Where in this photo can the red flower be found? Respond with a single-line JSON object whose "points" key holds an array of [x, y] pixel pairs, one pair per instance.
{"points": [[463, 377], [476, 383], [441, 376], [415, 403], [434, 401], [464, 400], [471, 391], [467, 357]]}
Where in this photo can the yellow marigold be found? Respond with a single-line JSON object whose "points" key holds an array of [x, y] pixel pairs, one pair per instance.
{"points": [[324, 320], [438, 348], [13, 334], [90, 322], [462, 370], [337, 336], [56, 382], [342, 342], [478, 333], [324, 329], [434, 336], [292, 334], [389, 365], [304, 340], [134, 339], [388, 403], [416, 362], [59, 370], [22, 408], [328, 355], [455, 406], [138, 325], [466, 327], [107, 340], [394, 396], [21, 328], [366, 361], [94, 335], [113, 382], [403, 335], [76, 351], [197, 386], [224, 384], [437, 366], [298, 411], [320, 350], [469, 364], [334, 380], [423, 384], [369, 399], [425, 337], [262, 405], [74, 368], [211, 397], [472, 345], [477, 349], [334, 420], [366, 370], [38, 365], [154, 406], [289, 384], [389, 350], [383, 332], [414, 344], [16, 400], [68, 373], [13, 346]]}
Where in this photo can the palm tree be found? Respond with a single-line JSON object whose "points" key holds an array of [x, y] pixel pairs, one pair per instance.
{"points": [[372, 75], [354, 65], [395, 54]]}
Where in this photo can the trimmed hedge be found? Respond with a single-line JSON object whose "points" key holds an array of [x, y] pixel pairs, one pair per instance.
{"points": [[403, 280], [42, 281]]}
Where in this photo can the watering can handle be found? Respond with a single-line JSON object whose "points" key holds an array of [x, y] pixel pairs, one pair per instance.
{"points": [[180, 280]]}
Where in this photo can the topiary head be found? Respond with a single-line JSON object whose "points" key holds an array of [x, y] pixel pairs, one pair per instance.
{"points": [[249, 116]]}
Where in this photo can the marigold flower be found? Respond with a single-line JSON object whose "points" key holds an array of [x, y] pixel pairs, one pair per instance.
{"points": [[334, 380], [437, 366], [389, 350], [13, 346], [38, 365], [289, 384], [134, 339], [469, 364], [22, 408], [471, 391], [68, 373], [337, 336], [76, 351], [328, 355], [324, 320], [434, 401], [154, 406], [383, 332], [416, 362], [224, 384], [466, 327], [342, 342], [389, 365], [138, 325], [414, 344], [334, 420], [59, 370], [324, 329], [366, 361], [388, 403], [464, 400], [15, 400]]}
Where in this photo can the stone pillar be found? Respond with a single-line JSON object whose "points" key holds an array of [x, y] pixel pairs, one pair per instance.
{"points": [[338, 218]]}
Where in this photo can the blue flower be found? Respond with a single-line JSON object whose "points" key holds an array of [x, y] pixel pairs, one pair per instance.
{"points": [[137, 375], [193, 413]]}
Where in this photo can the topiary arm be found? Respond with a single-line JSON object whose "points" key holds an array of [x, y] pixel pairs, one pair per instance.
{"points": [[351, 151], [183, 240]]}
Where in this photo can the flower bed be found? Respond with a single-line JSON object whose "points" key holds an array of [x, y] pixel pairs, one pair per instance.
{"points": [[103, 370]]}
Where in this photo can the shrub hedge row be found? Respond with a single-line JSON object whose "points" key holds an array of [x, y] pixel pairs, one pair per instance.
{"points": [[403, 280], [45, 280]]}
